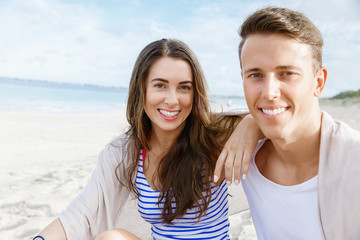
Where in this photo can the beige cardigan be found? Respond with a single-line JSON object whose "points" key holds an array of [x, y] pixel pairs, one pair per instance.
{"points": [[98, 207], [339, 180], [105, 204]]}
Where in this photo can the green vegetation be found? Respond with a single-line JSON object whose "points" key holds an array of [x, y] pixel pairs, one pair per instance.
{"points": [[346, 98], [347, 94]]}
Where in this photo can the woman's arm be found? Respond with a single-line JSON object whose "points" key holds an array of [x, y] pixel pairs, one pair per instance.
{"points": [[53, 231], [236, 154]]}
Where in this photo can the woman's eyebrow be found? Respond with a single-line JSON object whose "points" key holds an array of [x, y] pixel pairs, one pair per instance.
{"points": [[159, 79], [186, 82]]}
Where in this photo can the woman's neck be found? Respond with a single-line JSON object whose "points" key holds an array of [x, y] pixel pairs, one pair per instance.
{"points": [[161, 141]]}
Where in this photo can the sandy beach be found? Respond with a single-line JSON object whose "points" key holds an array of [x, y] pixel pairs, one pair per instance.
{"points": [[46, 159]]}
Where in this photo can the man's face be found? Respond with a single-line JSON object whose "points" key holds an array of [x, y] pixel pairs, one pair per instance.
{"points": [[280, 85]]}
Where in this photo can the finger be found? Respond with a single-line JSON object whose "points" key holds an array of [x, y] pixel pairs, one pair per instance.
{"points": [[246, 163], [219, 165], [237, 168], [229, 163]]}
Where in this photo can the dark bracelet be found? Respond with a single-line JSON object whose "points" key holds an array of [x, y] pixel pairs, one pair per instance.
{"points": [[38, 236]]}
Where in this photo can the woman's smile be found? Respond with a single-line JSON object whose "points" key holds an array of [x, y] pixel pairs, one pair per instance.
{"points": [[169, 115]]}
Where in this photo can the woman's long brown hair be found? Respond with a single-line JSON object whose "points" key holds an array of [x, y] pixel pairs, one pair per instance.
{"points": [[184, 172]]}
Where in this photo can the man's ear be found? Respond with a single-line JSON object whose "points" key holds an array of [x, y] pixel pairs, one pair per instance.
{"points": [[321, 77]]}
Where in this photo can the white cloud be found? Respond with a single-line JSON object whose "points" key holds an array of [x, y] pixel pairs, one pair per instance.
{"points": [[59, 42], [81, 43]]}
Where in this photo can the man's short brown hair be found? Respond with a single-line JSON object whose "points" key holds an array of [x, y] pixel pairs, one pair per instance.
{"points": [[284, 21]]}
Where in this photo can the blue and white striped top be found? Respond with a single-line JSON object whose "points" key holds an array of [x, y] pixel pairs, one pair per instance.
{"points": [[214, 224]]}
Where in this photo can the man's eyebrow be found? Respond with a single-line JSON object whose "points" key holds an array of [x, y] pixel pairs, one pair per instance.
{"points": [[286, 67], [252, 70], [282, 67]]}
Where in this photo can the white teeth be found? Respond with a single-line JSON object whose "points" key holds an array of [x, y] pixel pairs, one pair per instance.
{"points": [[168, 114], [273, 111]]}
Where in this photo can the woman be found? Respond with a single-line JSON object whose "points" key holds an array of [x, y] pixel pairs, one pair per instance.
{"points": [[166, 158]]}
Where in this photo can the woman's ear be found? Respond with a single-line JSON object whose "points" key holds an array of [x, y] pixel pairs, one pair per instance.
{"points": [[321, 77]]}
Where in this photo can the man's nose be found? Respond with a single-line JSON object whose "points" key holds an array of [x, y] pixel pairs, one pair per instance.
{"points": [[271, 88]]}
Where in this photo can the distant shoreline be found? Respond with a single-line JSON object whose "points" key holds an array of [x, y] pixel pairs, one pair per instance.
{"points": [[45, 83], [346, 97]]}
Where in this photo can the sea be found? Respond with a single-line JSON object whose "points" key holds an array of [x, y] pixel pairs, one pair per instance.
{"points": [[19, 95]]}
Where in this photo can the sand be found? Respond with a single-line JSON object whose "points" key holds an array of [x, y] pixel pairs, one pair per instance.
{"points": [[46, 159]]}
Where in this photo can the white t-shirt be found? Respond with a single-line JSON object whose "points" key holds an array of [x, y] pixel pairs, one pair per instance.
{"points": [[282, 212]]}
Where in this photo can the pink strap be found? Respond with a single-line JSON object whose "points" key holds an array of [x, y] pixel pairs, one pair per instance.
{"points": [[144, 155], [144, 149]]}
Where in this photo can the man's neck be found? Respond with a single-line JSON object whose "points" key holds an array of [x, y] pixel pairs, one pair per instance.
{"points": [[290, 162]]}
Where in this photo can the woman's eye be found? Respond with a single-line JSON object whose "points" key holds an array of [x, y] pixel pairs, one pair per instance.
{"points": [[159, 85], [186, 88]]}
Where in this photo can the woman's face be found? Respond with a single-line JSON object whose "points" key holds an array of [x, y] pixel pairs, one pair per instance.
{"points": [[169, 94]]}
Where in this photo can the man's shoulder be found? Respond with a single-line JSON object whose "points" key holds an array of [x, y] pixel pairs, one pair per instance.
{"points": [[339, 130]]}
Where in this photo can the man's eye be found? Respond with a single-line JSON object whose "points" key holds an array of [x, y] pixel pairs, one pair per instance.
{"points": [[288, 73], [255, 75]]}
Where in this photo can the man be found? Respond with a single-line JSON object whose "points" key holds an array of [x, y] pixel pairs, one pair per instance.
{"points": [[304, 177]]}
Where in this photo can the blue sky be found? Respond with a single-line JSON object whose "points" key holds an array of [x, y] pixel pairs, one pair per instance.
{"points": [[97, 41]]}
